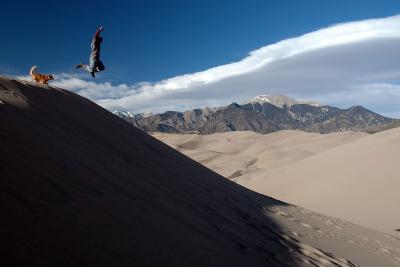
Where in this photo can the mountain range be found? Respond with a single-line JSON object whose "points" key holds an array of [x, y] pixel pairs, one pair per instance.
{"points": [[263, 114]]}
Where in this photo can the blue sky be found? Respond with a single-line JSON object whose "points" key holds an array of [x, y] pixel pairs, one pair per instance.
{"points": [[150, 41]]}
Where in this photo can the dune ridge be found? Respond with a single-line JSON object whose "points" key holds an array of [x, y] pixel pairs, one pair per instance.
{"points": [[81, 187]]}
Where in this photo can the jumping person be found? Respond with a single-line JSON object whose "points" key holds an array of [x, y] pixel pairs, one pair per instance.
{"points": [[95, 64]]}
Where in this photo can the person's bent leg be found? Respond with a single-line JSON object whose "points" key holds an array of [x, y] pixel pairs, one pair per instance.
{"points": [[85, 67]]}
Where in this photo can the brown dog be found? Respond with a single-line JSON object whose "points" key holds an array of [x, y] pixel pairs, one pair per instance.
{"points": [[40, 78]]}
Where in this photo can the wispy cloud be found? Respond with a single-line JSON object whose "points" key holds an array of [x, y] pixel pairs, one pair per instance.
{"points": [[344, 61]]}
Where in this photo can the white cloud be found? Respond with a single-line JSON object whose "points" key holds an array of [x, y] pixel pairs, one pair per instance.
{"points": [[384, 96], [349, 63], [93, 90]]}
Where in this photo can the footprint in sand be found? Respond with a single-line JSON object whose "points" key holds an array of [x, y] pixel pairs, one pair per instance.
{"points": [[295, 234], [306, 225], [385, 250]]}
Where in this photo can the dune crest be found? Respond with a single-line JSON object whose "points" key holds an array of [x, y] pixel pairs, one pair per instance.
{"points": [[81, 187]]}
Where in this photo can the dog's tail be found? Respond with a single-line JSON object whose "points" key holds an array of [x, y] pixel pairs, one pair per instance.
{"points": [[33, 70]]}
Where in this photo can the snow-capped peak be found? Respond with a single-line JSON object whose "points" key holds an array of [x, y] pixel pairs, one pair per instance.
{"points": [[281, 101], [127, 114]]}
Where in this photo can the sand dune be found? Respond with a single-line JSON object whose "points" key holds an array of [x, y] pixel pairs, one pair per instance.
{"points": [[238, 154], [349, 175], [81, 187], [359, 181]]}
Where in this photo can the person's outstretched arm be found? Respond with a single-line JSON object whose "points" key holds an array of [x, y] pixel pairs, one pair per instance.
{"points": [[97, 34]]}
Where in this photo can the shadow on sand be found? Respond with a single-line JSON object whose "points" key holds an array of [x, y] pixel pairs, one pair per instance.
{"points": [[81, 187]]}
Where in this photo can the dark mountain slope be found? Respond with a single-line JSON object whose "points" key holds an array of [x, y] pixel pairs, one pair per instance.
{"points": [[262, 118]]}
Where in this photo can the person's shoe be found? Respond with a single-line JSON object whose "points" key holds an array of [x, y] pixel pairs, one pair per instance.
{"points": [[80, 65], [93, 74]]}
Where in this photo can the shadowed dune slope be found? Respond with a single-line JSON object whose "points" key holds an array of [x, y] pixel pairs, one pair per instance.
{"points": [[81, 187]]}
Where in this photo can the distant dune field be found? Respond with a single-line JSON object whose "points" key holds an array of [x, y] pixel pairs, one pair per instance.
{"points": [[354, 176], [240, 154]]}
